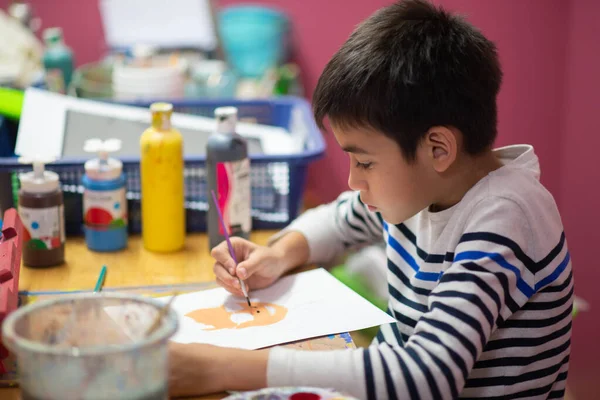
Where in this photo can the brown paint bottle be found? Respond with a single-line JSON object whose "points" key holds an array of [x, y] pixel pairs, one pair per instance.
{"points": [[42, 211]]}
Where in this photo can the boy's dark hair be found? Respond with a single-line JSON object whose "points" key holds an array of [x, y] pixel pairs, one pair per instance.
{"points": [[408, 67]]}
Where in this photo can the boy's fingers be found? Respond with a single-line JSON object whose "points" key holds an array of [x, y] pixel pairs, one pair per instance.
{"points": [[221, 254], [241, 247], [222, 274], [248, 267], [230, 289]]}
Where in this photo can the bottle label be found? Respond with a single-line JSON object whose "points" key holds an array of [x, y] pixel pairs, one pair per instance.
{"points": [[233, 187], [104, 209], [44, 228]]}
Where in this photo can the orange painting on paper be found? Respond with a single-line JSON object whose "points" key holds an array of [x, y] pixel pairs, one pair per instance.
{"points": [[220, 318]]}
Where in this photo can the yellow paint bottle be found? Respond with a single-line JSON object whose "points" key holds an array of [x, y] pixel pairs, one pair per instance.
{"points": [[163, 212]]}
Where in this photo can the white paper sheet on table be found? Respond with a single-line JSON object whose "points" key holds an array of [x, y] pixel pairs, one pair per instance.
{"points": [[318, 304]]}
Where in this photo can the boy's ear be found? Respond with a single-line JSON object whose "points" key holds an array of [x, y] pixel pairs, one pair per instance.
{"points": [[441, 144]]}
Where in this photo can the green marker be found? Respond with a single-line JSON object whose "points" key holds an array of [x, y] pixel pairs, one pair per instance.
{"points": [[101, 279]]}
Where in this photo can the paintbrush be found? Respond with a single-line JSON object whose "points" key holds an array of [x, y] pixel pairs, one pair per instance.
{"points": [[163, 311], [231, 252]]}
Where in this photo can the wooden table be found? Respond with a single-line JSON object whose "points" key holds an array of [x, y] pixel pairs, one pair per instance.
{"points": [[132, 267]]}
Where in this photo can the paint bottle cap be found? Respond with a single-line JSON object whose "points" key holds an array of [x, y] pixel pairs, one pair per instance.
{"points": [[226, 119], [103, 168], [52, 35], [39, 180], [161, 115]]}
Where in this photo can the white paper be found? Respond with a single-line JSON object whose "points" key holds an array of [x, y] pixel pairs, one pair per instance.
{"points": [[43, 124], [317, 305], [173, 23]]}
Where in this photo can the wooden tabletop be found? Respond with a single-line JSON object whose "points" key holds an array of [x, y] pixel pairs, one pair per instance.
{"points": [[131, 267]]}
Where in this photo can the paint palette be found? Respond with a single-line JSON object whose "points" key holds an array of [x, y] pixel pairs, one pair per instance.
{"points": [[290, 393]]}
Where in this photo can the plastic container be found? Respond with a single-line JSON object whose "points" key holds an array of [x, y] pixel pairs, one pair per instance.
{"points": [[41, 209], [58, 61], [211, 79], [157, 80], [278, 181], [161, 173], [228, 174], [254, 38], [86, 347], [104, 201], [92, 81]]}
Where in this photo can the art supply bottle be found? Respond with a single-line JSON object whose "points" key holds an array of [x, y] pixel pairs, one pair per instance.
{"points": [[42, 212], [58, 61], [104, 202], [228, 174], [163, 209]]}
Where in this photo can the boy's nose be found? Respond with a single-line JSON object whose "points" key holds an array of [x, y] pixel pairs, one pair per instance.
{"points": [[355, 181]]}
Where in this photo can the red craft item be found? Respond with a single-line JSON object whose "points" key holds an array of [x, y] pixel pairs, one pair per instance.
{"points": [[10, 265]]}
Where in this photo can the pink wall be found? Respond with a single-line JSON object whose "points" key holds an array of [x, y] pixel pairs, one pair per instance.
{"points": [[551, 63], [532, 51], [579, 185], [532, 43]]}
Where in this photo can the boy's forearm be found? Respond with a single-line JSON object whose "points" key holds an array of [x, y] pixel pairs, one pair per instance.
{"points": [[324, 233], [245, 370], [294, 250]]}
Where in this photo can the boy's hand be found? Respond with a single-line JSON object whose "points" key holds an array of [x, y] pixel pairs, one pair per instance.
{"points": [[258, 266], [196, 369]]}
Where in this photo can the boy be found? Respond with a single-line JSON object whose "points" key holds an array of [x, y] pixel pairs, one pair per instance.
{"points": [[479, 273]]}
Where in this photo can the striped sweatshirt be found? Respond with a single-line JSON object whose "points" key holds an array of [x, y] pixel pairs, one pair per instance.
{"points": [[482, 293]]}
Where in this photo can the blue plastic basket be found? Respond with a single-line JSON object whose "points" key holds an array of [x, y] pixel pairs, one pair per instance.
{"points": [[278, 181], [6, 138]]}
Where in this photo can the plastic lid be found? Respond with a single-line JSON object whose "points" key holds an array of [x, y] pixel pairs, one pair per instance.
{"points": [[39, 180], [208, 67], [161, 108], [53, 35], [103, 168], [226, 119], [143, 51], [161, 115]]}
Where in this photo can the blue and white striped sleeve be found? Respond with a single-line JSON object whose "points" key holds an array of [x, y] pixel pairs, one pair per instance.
{"points": [[331, 229], [489, 279]]}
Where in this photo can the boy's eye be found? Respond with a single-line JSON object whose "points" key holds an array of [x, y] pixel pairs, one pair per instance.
{"points": [[363, 165]]}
